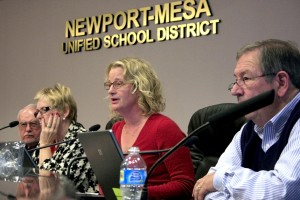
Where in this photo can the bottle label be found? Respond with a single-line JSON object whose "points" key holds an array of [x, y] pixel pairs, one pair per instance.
{"points": [[132, 176]]}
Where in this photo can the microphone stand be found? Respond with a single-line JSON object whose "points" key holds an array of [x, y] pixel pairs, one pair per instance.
{"points": [[11, 125], [4, 127], [91, 129], [144, 195], [234, 113], [53, 144]]}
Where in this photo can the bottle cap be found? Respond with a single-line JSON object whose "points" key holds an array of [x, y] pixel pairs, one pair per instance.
{"points": [[134, 150]]}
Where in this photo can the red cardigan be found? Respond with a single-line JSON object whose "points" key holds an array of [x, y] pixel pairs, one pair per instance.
{"points": [[174, 178]]}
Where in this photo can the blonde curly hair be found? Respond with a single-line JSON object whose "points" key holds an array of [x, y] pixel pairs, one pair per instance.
{"points": [[141, 75]]}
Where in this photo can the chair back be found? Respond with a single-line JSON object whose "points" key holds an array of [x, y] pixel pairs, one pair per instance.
{"points": [[212, 141]]}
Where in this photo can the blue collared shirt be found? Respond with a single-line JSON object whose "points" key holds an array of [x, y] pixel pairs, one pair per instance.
{"points": [[235, 182]]}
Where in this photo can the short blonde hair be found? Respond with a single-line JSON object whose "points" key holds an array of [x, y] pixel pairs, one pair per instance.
{"points": [[60, 97]]}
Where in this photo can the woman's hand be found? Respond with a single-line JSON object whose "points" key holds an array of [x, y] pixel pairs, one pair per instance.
{"points": [[49, 129]]}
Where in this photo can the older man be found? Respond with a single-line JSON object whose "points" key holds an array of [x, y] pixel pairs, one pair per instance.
{"points": [[262, 161], [29, 126]]}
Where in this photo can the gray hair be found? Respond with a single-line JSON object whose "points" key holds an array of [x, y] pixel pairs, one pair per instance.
{"points": [[277, 55], [28, 107]]}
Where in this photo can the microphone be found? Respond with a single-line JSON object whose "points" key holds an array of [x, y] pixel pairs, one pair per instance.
{"points": [[92, 128], [95, 127], [53, 144], [243, 108], [11, 125], [231, 114], [188, 143]]}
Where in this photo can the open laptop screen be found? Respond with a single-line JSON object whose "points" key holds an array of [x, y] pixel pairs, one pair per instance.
{"points": [[105, 157]]}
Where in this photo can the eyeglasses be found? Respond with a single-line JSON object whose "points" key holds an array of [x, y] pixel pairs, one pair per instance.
{"points": [[244, 80], [34, 124], [43, 110], [115, 84]]}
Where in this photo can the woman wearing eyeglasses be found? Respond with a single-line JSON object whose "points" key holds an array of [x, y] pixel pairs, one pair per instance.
{"points": [[135, 93], [57, 113]]}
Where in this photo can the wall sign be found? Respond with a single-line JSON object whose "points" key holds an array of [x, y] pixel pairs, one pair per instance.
{"points": [[171, 22]]}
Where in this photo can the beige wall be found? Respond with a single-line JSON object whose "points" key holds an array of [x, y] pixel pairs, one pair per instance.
{"points": [[195, 71]]}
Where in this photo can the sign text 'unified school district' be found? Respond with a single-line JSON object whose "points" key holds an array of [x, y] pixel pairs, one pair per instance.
{"points": [[171, 21]]}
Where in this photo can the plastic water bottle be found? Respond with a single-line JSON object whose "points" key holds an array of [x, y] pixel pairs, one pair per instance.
{"points": [[132, 175]]}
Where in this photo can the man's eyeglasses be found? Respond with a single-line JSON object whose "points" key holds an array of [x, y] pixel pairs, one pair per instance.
{"points": [[244, 80], [34, 124], [115, 84], [43, 110]]}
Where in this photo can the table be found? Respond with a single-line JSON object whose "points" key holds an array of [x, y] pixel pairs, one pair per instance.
{"points": [[34, 184], [29, 184]]}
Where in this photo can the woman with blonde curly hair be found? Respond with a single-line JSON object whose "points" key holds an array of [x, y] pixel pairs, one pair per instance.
{"points": [[135, 93]]}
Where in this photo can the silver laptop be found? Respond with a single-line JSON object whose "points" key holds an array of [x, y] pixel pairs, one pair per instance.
{"points": [[105, 157]]}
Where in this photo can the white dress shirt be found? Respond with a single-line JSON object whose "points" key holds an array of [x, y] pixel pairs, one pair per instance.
{"points": [[235, 182]]}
